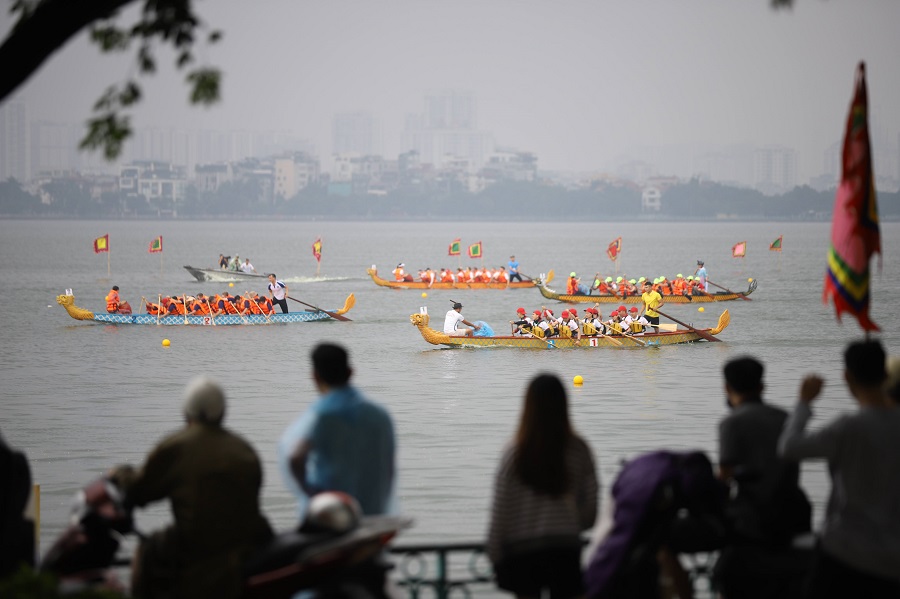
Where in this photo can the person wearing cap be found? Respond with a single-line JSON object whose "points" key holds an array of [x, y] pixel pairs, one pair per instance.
{"points": [[522, 324], [701, 275], [212, 478], [651, 299], [454, 318], [570, 321], [400, 274]]}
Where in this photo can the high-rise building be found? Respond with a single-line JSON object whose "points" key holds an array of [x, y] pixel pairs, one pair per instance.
{"points": [[447, 131], [355, 133], [775, 169], [450, 109], [14, 146]]}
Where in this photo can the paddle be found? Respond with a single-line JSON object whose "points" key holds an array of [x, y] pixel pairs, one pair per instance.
{"points": [[261, 311], [331, 314], [743, 297], [703, 334], [544, 340]]}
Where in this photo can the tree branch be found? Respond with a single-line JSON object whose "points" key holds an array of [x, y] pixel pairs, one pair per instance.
{"points": [[36, 37]]}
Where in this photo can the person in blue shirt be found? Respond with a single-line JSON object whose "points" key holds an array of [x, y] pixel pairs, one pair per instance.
{"points": [[343, 442], [513, 267], [700, 274]]}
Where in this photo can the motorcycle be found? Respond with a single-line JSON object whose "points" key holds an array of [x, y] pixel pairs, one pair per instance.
{"points": [[335, 551]]}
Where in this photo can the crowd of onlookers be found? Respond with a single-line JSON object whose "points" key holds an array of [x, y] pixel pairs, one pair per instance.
{"points": [[749, 508]]}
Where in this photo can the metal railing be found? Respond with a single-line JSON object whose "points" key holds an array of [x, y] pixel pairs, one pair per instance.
{"points": [[462, 570]]}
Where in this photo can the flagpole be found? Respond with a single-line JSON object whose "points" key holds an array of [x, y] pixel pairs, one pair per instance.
{"points": [[108, 252]]}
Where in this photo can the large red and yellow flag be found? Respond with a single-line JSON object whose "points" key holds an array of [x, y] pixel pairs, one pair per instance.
{"points": [[855, 233], [101, 244]]}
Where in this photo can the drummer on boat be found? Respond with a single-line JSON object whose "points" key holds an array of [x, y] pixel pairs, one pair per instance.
{"points": [[114, 304]]}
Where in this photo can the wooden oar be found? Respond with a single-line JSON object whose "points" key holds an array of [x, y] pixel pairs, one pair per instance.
{"points": [[184, 303], [158, 309], [611, 338], [334, 315], [544, 340], [703, 334], [261, 311], [743, 297]]}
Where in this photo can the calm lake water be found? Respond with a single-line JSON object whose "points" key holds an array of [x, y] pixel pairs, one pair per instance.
{"points": [[81, 397]]}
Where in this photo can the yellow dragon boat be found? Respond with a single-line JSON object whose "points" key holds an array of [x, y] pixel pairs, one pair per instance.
{"points": [[438, 285], [674, 337], [721, 296]]}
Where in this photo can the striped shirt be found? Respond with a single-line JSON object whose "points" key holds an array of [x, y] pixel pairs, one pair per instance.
{"points": [[523, 520]]}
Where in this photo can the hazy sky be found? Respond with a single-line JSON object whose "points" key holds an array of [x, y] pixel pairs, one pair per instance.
{"points": [[577, 82]]}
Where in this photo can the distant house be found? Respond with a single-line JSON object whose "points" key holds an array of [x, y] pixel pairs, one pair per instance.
{"points": [[651, 199]]}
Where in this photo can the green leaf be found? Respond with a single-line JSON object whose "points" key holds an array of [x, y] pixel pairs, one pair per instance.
{"points": [[205, 84]]}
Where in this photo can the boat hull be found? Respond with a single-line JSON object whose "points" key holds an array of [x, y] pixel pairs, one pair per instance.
{"points": [[420, 285], [68, 302], [216, 275], [636, 299], [619, 342]]}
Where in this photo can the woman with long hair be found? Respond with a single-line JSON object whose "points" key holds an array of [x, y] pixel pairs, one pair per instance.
{"points": [[545, 495]]}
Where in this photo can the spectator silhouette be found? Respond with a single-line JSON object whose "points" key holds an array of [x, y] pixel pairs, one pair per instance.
{"points": [[767, 507], [859, 550], [344, 442], [16, 532], [545, 495]]}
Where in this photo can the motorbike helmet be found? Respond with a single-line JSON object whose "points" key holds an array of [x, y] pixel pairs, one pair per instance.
{"points": [[332, 511]]}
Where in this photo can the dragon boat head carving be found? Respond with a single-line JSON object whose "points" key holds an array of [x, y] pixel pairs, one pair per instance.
{"points": [[68, 302]]}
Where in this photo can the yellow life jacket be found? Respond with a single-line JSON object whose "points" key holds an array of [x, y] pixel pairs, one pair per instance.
{"points": [[637, 327], [616, 327], [537, 332], [565, 332], [588, 328]]}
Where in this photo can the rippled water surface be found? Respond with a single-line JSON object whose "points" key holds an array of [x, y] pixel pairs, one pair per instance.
{"points": [[81, 397]]}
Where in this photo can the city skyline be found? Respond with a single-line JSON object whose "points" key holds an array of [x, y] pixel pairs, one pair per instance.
{"points": [[585, 87]]}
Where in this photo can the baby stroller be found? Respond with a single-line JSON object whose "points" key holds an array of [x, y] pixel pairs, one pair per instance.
{"points": [[665, 503]]}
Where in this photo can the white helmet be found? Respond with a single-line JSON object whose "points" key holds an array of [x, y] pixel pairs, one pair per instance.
{"points": [[332, 511]]}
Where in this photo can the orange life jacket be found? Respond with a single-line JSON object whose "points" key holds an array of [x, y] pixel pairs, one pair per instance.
{"points": [[572, 286], [447, 277], [201, 307], [152, 309], [501, 277]]}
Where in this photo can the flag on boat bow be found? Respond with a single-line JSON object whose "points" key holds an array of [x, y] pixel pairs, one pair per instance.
{"points": [[475, 250], [454, 250], [739, 250], [855, 232], [775, 246], [317, 249], [101, 244], [155, 245]]}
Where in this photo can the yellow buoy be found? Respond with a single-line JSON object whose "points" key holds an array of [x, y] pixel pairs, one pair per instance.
{"points": [[701, 309], [578, 380], [424, 294], [231, 284], [166, 343], [750, 280]]}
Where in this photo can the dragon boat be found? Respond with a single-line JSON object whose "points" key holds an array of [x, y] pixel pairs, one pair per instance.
{"points": [[674, 337], [719, 296], [68, 302], [218, 275], [438, 285]]}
